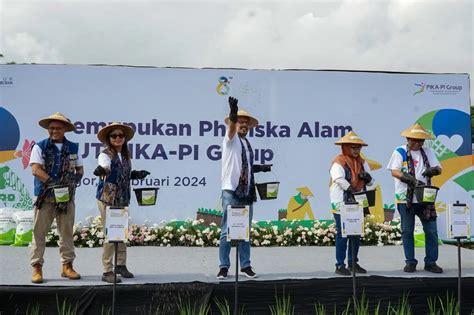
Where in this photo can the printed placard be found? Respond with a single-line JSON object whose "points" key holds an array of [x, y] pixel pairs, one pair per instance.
{"points": [[272, 190], [459, 218], [429, 194], [362, 200], [61, 194], [148, 197], [238, 223], [352, 219], [116, 228]]}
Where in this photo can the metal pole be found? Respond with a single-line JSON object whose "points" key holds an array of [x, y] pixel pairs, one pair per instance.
{"points": [[459, 272], [236, 296], [354, 292], [115, 278]]}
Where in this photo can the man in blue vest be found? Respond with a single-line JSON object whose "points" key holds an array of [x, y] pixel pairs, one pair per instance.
{"points": [[238, 185], [57, 167]]}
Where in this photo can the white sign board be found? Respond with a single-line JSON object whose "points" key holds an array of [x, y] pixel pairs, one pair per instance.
{"points": [[459, 218], [238, 223], [116, 228], [352, 219]]}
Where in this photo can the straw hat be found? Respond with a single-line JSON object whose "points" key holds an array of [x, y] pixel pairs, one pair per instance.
{"points": [[417, 132], [57, 117], [305, 191], [104, 131], [253, 122], [351, 138]]}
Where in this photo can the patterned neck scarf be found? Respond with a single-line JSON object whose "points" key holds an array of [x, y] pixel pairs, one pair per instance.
{"points": [[355, 165], [428, 212], [123, 181], [66, 173], [118, 182], [242, 190]]}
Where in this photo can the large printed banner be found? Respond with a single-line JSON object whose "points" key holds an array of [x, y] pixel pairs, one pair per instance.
{"points": [[178, 116]]}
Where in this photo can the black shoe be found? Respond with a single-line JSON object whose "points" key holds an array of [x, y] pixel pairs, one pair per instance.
{"points": [[410, 268], [358, 268], [343, 271], [433, 268], [248, 272], [123, 271], [109, 277], [222, 275]]}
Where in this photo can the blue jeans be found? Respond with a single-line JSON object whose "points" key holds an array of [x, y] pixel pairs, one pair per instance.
{"points": [[341, 245], [407, 216], [228, 198]]}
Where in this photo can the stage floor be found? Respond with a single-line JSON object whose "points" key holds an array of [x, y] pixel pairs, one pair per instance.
{"points": [[155, 265]]}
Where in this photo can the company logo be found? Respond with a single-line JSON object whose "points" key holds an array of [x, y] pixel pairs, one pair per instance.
{"points": [[437, 89], [421, 88], [6, 82], [223, 87]]}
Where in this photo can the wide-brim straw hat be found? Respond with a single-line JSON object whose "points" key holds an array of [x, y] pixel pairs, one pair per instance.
{"points": [[105, 131], [57, 117], [253, 122], [305, 190], [417, 132], [351, 138]]}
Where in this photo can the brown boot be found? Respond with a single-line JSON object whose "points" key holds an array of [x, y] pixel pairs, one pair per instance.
{"points": [[37, 274], [69, 272]]}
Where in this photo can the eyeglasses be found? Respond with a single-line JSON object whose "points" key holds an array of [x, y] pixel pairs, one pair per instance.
{"points": [[115, 136], [356, 147]]}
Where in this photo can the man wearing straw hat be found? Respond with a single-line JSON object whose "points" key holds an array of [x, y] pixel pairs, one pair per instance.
{"points": [[413, 165], [238, 185], [115, 171], [348, 175], [57, 166]]}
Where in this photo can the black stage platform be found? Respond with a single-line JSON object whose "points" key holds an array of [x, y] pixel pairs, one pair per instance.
{"points": [[164, 276]]}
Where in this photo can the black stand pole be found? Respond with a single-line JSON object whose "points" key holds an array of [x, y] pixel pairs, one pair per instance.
{"points": [[459, 272], [236, 296], [354, 292], [115, 277], [458, 241]]}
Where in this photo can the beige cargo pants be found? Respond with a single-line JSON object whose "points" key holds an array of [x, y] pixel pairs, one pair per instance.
{"points": [[43, 219]]}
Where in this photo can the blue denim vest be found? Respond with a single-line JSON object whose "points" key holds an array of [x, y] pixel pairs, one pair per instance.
{"points": [[54, 172], [109, 191]]}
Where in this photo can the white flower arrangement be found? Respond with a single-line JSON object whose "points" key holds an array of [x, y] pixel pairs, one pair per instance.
{"points": [[194, 233]]}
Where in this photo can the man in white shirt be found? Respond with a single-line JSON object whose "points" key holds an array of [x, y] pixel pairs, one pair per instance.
{"points": [[413, 165], [57, 166], [238, 187]]}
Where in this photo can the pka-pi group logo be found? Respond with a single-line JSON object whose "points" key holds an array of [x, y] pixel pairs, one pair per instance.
{"points": [[437, 89]]}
